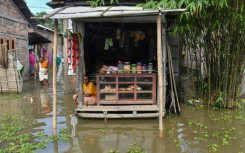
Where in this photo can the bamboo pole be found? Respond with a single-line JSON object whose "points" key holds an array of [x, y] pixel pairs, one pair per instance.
{"points": [[171, 81], [160, 73], [54, 79]]}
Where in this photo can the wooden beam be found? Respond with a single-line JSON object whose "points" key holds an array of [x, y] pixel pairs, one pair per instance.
{"points": [[164, 59], [36, 63], [65, 71], [97, 115], [160, 73], [149, 108], [54, 78], [81, 66]]}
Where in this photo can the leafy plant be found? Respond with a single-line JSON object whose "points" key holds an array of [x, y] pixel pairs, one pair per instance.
{"points": [[96, 3], [135, 148], [14, 136], [213, 148]]}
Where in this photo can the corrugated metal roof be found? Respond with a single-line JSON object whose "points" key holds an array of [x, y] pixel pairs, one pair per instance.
{"points": [[47, 29], [83, 13], [36, 38]]}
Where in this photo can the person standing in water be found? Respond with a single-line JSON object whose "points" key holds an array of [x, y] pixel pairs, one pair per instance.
{"points": [[42, 70], [32, 62]]}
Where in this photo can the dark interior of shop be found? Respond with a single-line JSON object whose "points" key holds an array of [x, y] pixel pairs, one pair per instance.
{"points": [[128, 42]]}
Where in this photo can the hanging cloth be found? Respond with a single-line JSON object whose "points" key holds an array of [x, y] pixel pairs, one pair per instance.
{"points": [[108, 43]]}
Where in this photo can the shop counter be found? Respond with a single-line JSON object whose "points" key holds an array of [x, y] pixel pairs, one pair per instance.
{"points": [[115, 89]]}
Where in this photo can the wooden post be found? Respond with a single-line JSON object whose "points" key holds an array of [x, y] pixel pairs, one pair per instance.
{"points": [[160, 73], [65, 70], [81, 69], [54, 78], [35, 72], [164, 59]]}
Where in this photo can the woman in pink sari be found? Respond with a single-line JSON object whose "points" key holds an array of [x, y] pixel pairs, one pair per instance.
{"points": [[32, 62]]}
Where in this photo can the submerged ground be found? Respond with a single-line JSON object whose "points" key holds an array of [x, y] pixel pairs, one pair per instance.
{"points": [[196, 130]]}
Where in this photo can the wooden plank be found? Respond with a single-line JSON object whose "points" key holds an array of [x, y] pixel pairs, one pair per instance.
{"points": [[11, 77], [14, 44], [145, 91], [107, 83], [94, 126], [119, 108], [4, 81], [81, 9], [164, 56], [97, 115], [81, 66], [10, 45]]}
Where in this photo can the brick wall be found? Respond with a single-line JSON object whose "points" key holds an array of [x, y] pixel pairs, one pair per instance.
{"points": [[50, 36], [14, 25]]}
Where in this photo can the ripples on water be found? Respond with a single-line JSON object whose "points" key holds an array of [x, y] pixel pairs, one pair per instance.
{"points": [[193, 131]]}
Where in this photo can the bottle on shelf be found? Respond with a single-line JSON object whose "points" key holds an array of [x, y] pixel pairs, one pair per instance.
{"points": [[150, 68], [126, 67], [133, 68], [139, 67], [144, 68], [120, 67]]}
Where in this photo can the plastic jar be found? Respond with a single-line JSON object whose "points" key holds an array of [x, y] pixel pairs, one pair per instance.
{"points": [[150, 68], [126, 67], [133, 68], [144, 68], [120, 67], [139, 67]]}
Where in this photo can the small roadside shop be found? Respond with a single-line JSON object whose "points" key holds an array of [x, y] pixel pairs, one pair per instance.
{"points": [[125, 49]]}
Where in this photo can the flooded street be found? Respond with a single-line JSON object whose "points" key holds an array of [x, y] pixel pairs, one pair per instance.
{"points": [[196, 130]]}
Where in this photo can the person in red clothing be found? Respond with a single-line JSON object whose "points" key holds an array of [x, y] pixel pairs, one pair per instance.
{"points": [[32, 62], [89, 92]]}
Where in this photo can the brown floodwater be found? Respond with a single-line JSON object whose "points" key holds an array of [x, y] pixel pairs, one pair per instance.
{"points": [[196, 130]]}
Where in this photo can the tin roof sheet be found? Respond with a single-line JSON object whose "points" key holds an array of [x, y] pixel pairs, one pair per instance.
{"points": [[88, 13]]}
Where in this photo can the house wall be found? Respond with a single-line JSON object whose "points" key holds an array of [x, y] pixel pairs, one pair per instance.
{"points": [[14, 25], [50, 35]]}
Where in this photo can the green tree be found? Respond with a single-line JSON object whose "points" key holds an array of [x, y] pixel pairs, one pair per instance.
{"points": [[47, 22], [213, 31]]}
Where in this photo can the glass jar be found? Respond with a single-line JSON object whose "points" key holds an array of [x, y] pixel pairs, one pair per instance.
{"points": [[126, 67], [139, 67], [150, 68], [133, 68]]}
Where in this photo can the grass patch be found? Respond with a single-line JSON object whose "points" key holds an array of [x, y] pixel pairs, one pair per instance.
{"points": [[10, 96], [243, 100]]}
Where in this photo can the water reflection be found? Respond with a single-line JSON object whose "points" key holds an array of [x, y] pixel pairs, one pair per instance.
{"points": [[118, 135], [45, 101], [95, 136]]}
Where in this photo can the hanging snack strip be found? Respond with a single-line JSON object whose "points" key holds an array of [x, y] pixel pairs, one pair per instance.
{"points": [[75, 52], [69, 44]]}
